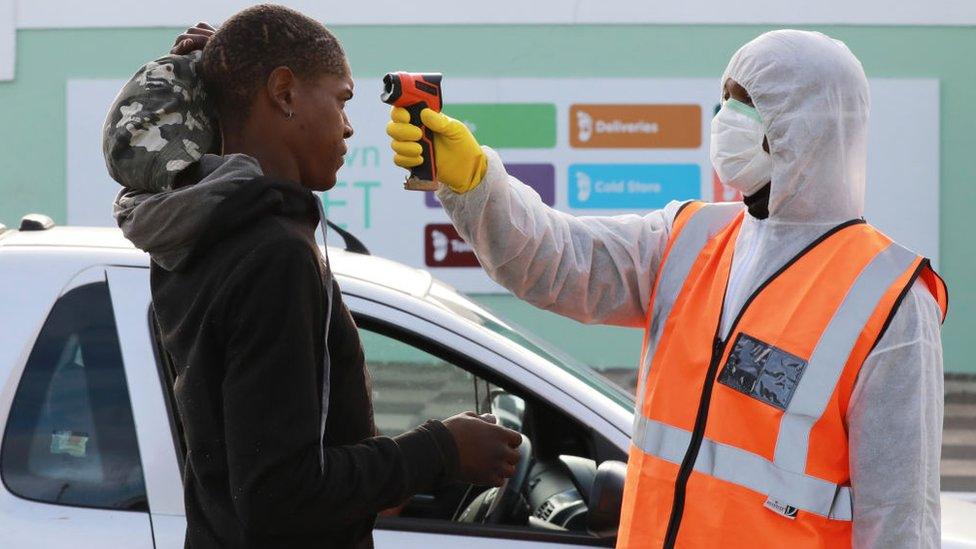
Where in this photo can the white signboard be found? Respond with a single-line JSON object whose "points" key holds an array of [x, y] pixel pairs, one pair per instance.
{"points": [[46, 14], [8, 39], [588, 146]]}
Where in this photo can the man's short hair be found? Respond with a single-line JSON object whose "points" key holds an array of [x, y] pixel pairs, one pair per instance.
{"points": [[242, 53]]}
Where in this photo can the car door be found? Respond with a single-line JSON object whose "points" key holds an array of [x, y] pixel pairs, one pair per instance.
{"points": [[70, 459], [130, 302], [157, 433]]}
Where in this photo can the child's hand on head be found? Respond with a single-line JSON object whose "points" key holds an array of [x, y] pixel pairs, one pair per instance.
{"points": [[193, 39]]}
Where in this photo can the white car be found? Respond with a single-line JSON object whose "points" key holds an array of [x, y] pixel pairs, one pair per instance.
{"points": [[92, 453]]}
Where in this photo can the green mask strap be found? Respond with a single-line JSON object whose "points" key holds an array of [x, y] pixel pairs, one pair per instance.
{"points": [[740, 107]]}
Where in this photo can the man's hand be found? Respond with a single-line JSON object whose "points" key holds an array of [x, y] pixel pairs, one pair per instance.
{"points": [[461, 164], [487, 452], [194, 38]]}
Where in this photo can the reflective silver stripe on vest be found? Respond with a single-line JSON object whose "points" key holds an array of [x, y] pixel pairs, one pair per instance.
{"points": [[703, 225], [829, 357], [746, 469]]}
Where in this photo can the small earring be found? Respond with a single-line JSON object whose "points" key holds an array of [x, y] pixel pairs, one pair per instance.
{"points": [[290, 114]]}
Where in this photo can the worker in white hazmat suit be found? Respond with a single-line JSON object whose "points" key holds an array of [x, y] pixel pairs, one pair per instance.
{"points": [[792, 137]]}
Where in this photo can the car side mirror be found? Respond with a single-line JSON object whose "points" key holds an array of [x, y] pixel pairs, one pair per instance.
{"points": [[605, 499], [509, 409]]}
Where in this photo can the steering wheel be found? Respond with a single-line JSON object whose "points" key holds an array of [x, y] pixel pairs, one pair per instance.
{"points": [[505, 505]]}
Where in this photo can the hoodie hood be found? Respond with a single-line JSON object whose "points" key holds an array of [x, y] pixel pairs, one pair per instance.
{"points": [[231, 193], [813, 97]]}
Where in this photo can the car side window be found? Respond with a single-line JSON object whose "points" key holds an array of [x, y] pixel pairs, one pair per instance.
{"points": [[70, 438], [411, 386]]}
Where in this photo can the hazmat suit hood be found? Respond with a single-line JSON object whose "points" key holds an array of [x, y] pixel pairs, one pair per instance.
{"points": [[813, 97]]}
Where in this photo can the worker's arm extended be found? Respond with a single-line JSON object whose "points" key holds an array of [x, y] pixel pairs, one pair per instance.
{"points": [[895, 426], [592, 269]]}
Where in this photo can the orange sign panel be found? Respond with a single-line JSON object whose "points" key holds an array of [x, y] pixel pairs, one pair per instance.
{"points": [[635, 126]]}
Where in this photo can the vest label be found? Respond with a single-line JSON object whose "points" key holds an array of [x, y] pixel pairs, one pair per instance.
{"points": [[780, 508]]}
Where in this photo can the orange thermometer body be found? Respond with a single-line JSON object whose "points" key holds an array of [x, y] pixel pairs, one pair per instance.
{"points": [[415, 92]]}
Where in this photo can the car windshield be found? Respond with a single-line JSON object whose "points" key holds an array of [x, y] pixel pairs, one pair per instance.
{"points": [[455, 302]]}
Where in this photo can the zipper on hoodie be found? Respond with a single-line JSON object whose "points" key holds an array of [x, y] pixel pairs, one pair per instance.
{"points": [[718, 350]]}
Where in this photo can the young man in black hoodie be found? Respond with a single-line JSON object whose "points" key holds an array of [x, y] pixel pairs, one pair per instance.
{"points": [[272, 389]]}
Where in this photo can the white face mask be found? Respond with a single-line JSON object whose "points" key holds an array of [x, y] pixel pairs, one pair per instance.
{"points": [[736, 148]]}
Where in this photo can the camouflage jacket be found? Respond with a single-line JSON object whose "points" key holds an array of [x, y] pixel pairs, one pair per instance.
{"points": [[160, 123]]}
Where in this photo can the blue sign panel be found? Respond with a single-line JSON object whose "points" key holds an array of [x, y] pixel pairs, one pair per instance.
{"points": [[631, 186]]}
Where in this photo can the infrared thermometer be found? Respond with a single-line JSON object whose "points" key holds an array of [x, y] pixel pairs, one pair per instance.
{"points": [[415, 92]]}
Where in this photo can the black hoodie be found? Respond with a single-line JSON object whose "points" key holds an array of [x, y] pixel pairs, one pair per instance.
{"points": [[238, 286]]}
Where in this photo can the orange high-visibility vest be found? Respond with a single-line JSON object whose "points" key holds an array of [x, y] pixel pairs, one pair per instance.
{"points": [[742, 441]]}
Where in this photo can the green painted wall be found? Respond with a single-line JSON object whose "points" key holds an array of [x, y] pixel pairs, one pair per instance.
{"points": [[32, 116]]}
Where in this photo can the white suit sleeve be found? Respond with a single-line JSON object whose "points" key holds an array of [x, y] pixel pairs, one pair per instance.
{"points": [[895, 431], [592, 269]]}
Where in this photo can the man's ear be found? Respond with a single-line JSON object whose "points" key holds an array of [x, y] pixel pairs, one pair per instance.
{"points": [[281, 89]]}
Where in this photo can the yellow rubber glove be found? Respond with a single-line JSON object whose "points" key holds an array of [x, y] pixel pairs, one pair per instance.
{"points": [[460, 162]]}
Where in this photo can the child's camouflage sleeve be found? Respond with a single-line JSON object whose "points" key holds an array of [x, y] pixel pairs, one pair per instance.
{"points": [[160, 123]]}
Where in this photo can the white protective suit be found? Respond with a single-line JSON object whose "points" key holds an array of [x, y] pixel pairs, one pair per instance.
{"points": [[813, 97]]}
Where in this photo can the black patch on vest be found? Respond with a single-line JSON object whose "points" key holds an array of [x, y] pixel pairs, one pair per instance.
{"points": [[762, 371]]}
